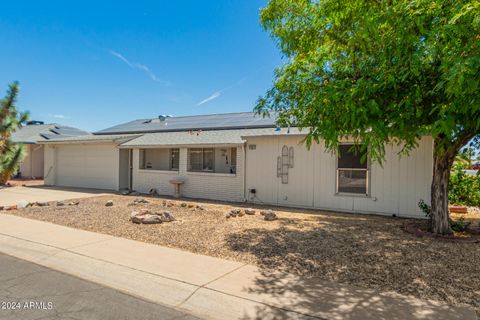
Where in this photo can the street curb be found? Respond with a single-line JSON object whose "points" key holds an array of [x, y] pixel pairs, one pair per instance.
{"points": [[197, 300]]}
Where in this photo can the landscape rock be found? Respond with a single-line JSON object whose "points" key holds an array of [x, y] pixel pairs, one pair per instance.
{"points": [[60, 203], [190, 206], [270, 216], [23, 204], [42, 204], [151, 219], [74, 203], [264, 212], [109, 203], [11, 208], [166, 216], [249, 211], [125, 192], [1, 208], [145, 216], [241, 214], [199, 207], [140, 200], [134, 193], [183, 205], [234, 213]]}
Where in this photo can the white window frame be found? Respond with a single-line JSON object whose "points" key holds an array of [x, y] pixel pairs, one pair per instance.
{"points": [[202, 159], [337, 176], [143, 160], [170, 158]]}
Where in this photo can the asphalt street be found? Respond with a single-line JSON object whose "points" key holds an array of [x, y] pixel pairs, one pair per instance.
{"points": [[32, 292]]}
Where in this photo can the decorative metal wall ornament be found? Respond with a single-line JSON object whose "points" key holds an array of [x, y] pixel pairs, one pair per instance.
{"points": [[284, 162], [290, 157], [279, 167]]}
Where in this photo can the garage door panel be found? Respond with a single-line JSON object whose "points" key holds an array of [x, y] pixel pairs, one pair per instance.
{"points": [[87, 166]]}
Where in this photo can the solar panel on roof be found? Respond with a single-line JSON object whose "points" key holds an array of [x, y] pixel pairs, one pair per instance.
{"points": [[205, 122]]}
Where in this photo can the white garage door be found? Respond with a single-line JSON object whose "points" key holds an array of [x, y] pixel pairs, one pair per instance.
{"points": [[87, 166]]}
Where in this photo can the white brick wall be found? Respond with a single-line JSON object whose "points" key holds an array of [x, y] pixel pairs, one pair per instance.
{"points": [[216, 186]]}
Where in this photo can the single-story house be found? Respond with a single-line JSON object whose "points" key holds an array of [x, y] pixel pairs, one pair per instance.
{"points": [[240, 157], [30, 135]]}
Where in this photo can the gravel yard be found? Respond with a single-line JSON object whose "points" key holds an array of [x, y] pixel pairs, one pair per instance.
{"points": [[363, 250]]}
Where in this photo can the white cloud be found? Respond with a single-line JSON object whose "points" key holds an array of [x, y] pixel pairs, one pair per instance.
{"points": [[214, 96], [140, 67], [218, 93], [121, 57]]}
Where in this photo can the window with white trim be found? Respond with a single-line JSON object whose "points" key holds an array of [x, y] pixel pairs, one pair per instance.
{"points": [[174, 159], [352, 170], [159, 159], [201, 159]]}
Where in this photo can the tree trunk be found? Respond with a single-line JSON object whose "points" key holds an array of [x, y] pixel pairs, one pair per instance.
{"points": [[442, 165]]}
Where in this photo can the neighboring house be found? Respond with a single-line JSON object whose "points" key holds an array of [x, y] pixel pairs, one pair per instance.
{"points": [[30, 135], [240, 157]]}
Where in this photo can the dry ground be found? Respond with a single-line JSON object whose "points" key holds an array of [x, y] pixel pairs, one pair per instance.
{"points": [[363, 250]]}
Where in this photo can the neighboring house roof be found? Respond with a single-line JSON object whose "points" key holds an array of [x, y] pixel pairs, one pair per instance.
{"points": [[116, 138], [34, 133], [194, 137], [241, 120]]}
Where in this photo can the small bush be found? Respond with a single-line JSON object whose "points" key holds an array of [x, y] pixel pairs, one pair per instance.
{"points": [[459, 225], [464, 189], [425, 208]]}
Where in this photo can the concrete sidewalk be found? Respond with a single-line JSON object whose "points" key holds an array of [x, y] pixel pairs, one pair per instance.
{"points": [[204, 286], [12, 195]]}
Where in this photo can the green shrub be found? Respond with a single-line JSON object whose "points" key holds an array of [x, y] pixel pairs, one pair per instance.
{"points": [[464, 189], [460, 225], [425, 208]]}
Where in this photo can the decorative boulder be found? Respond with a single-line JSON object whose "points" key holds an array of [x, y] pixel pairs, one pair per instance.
{"points": [[270, 216], [249, 211], [183, 205], [125, 192], [140, 200], [42, 204], [109, 203], [74, 203], [199, 207], [190, 206], [23, 204], [151, 219], [234, 213], [134, 217], [60, 203], [264, 212], [145, 216], [166, 216]]}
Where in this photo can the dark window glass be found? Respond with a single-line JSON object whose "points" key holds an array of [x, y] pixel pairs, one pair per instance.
{"points": [[352, 181], [349, 159]]}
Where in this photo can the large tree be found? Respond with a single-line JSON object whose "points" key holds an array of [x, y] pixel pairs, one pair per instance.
{"points": [[380, 72], [10, 119]]}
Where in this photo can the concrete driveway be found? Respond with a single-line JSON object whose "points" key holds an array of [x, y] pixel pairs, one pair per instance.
{"points": [[12, 195]]}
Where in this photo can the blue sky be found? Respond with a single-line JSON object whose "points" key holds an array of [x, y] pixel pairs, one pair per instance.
{"points": [[93, 64]]}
